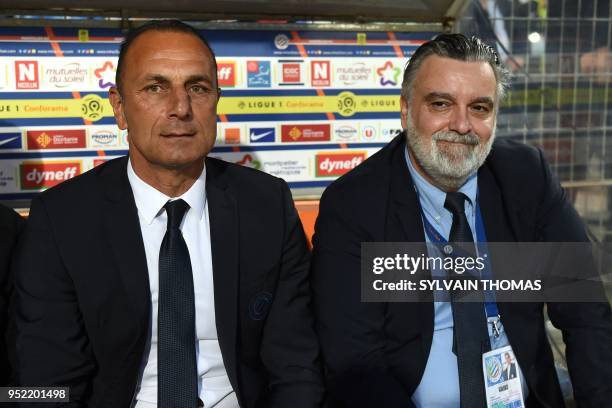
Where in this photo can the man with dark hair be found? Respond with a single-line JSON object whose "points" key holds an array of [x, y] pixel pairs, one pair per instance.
{"points": [[11, 225], [174, 26], [168, 278], [445, 180]]}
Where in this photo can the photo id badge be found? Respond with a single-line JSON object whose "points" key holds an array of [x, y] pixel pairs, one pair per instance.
{"points": [[502, 379]]}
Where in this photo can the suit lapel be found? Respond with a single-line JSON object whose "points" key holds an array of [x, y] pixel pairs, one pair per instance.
{"points": [[498, 221], [122, 228], [223, 216], [407, 226], [404, 202]]}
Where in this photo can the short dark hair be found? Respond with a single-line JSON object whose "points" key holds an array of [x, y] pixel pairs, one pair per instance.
{"points": [[459, 47], [175, 26]]}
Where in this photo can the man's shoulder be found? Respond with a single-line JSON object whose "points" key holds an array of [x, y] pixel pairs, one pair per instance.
{"points": [[88, 187], [521, 174], [370, 176], [237, 171], [10, 219], [517, 164], [506, 152], [240, 178]]}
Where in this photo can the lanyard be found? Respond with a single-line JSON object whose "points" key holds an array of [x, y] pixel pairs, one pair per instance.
{"points": [[481, 244]]}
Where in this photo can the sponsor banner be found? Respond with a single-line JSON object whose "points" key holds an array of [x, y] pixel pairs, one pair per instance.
{"points": [[296, 168], [104, 74], [123, 139], [91, 162], [389, 129], [226, 43], [249, 160], [389, 73], [26, 75], [226, 74], [90, 107], [230, 133], [41, 175], [258, 74], [93, 107], [9, 176], [334, 163], [103, 137], [320, 73], [305, 133], [361, 44], [75, 74], [56, 139], [281, 41], [353, 73], [290, 166], [10, 140], [346, 132], [4, 76], [54, 106], [345, 104], [300, 165], [369, 131], [97, 162], [262, 134], [291, 72], [64, 74]]}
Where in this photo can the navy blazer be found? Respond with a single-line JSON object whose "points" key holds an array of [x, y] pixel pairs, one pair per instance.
{"points": [[375, 353], [84, 300], [11, 225]]}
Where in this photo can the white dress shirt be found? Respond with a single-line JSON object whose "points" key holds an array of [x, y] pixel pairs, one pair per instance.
{"points": [[213, 382]]}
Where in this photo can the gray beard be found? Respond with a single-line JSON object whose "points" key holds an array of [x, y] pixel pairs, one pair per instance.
{"points": [[449, 167]]}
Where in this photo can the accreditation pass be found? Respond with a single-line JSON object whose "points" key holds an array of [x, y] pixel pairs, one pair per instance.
{"points": [[502, 379]]}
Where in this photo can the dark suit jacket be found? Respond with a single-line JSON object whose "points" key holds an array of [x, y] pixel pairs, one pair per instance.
{"points": [[11, 225], [84, 300], [375, 353]]}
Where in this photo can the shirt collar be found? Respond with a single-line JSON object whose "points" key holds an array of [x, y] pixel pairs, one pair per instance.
{"points": [[432, 195], [150, 201]]}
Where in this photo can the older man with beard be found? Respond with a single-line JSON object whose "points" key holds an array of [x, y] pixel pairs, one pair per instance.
{"points": [[445, 174]]}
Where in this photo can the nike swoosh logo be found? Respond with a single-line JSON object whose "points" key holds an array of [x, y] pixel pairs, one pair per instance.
{"points": [[2, 142], [255, 137]]}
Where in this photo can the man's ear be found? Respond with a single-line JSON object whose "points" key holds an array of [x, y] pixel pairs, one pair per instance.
{"points": [[404, 112], [117, 103]]}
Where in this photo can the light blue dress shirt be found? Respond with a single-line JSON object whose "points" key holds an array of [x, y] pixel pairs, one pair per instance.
{"points": [[439, 386]]}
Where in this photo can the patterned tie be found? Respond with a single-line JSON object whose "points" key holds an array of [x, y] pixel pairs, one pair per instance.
{"points": [[177, 370], [471, 338]]}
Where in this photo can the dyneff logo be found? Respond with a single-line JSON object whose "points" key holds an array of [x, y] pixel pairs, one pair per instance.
{"points": [[226, 74], [40, 175], [336, 164]]}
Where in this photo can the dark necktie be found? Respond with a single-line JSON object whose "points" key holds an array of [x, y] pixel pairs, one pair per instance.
{"points": [[176, 371], [471, 338]]}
